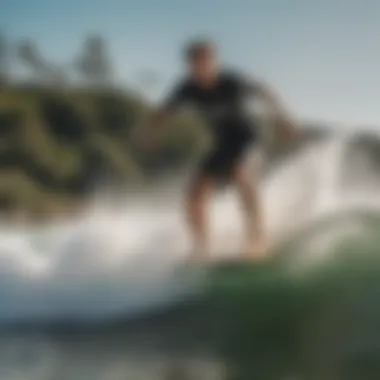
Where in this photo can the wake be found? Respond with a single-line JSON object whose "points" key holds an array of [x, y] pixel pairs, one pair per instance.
{"points": [[123, 260]]}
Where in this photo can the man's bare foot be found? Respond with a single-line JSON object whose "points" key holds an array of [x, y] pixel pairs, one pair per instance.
{"points": [[256, 249], [199, 255]]}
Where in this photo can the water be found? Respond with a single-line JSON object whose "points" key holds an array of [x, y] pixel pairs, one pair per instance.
{"points": [[283, 320]]}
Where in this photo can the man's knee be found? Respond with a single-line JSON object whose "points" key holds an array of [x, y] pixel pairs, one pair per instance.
{"points": [[246, 186], [198, 194], [242, 178]]}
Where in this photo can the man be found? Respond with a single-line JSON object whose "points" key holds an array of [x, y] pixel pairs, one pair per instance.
{"points": [[221, 96]]}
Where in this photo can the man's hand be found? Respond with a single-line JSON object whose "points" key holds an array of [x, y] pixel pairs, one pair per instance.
{"points": [[144, 138], [150, 137], [149, 140], [288, 130]]}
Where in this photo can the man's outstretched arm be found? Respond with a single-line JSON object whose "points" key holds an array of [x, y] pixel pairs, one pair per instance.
{"points": [[163, 114], [273, 100]]}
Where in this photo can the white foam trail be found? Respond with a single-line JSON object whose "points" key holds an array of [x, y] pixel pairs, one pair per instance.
{"points": [[124, 259]]}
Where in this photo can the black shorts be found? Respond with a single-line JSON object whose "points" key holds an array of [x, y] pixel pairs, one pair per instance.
{"points": [[227, 153]]}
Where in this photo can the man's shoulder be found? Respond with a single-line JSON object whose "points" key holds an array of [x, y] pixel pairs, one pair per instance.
{"points": [[235, 78], [184, 83], [232, 76]]}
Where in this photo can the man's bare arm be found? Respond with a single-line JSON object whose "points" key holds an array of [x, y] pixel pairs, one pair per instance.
{"points": [[159, 118], [154, 126], [170, 106], [273, 100]]}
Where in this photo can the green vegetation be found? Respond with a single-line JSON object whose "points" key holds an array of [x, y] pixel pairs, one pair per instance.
{"points": [[58, 144]]}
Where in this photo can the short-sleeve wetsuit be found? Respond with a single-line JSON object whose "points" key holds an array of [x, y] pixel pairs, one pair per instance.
{"points": [[223, 107]]}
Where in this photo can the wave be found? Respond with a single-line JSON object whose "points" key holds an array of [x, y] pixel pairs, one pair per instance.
{"points": [[124, 260]]}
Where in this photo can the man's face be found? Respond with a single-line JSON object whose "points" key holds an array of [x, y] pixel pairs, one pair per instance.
{"points": [[204, 66]]}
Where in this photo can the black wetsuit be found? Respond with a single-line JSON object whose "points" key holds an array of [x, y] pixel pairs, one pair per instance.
{"points": [[224, 109]]}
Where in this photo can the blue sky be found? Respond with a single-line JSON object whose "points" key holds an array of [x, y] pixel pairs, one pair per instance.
{"points": [[323, 56]]}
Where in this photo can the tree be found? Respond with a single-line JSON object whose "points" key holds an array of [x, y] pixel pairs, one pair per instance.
{"points": [[4, 59], [93, 64], [42, 70]]}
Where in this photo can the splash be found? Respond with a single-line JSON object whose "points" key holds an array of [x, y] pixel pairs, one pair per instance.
{"points": [[124, 259]]}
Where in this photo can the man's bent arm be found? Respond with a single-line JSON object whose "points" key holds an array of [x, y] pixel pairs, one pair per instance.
{"points": [[159, 117], [174, 101], [273, 100], [156, 122]]}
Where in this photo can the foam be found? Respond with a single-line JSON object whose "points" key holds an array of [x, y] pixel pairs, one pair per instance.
{"points": [[124, 260]]}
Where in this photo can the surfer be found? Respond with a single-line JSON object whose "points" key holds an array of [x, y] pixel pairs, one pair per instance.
{"points": [[220, 96]]}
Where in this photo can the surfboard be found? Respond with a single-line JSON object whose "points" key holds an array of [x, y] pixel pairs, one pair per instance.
{"points": [[238, 264], [221, 267]]}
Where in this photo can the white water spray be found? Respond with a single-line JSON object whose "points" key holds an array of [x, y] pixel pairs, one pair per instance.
{"points": [[113, 261]]}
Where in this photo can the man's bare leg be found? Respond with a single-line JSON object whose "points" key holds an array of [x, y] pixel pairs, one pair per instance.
{"points": [[245, 181], [197, 202]]}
